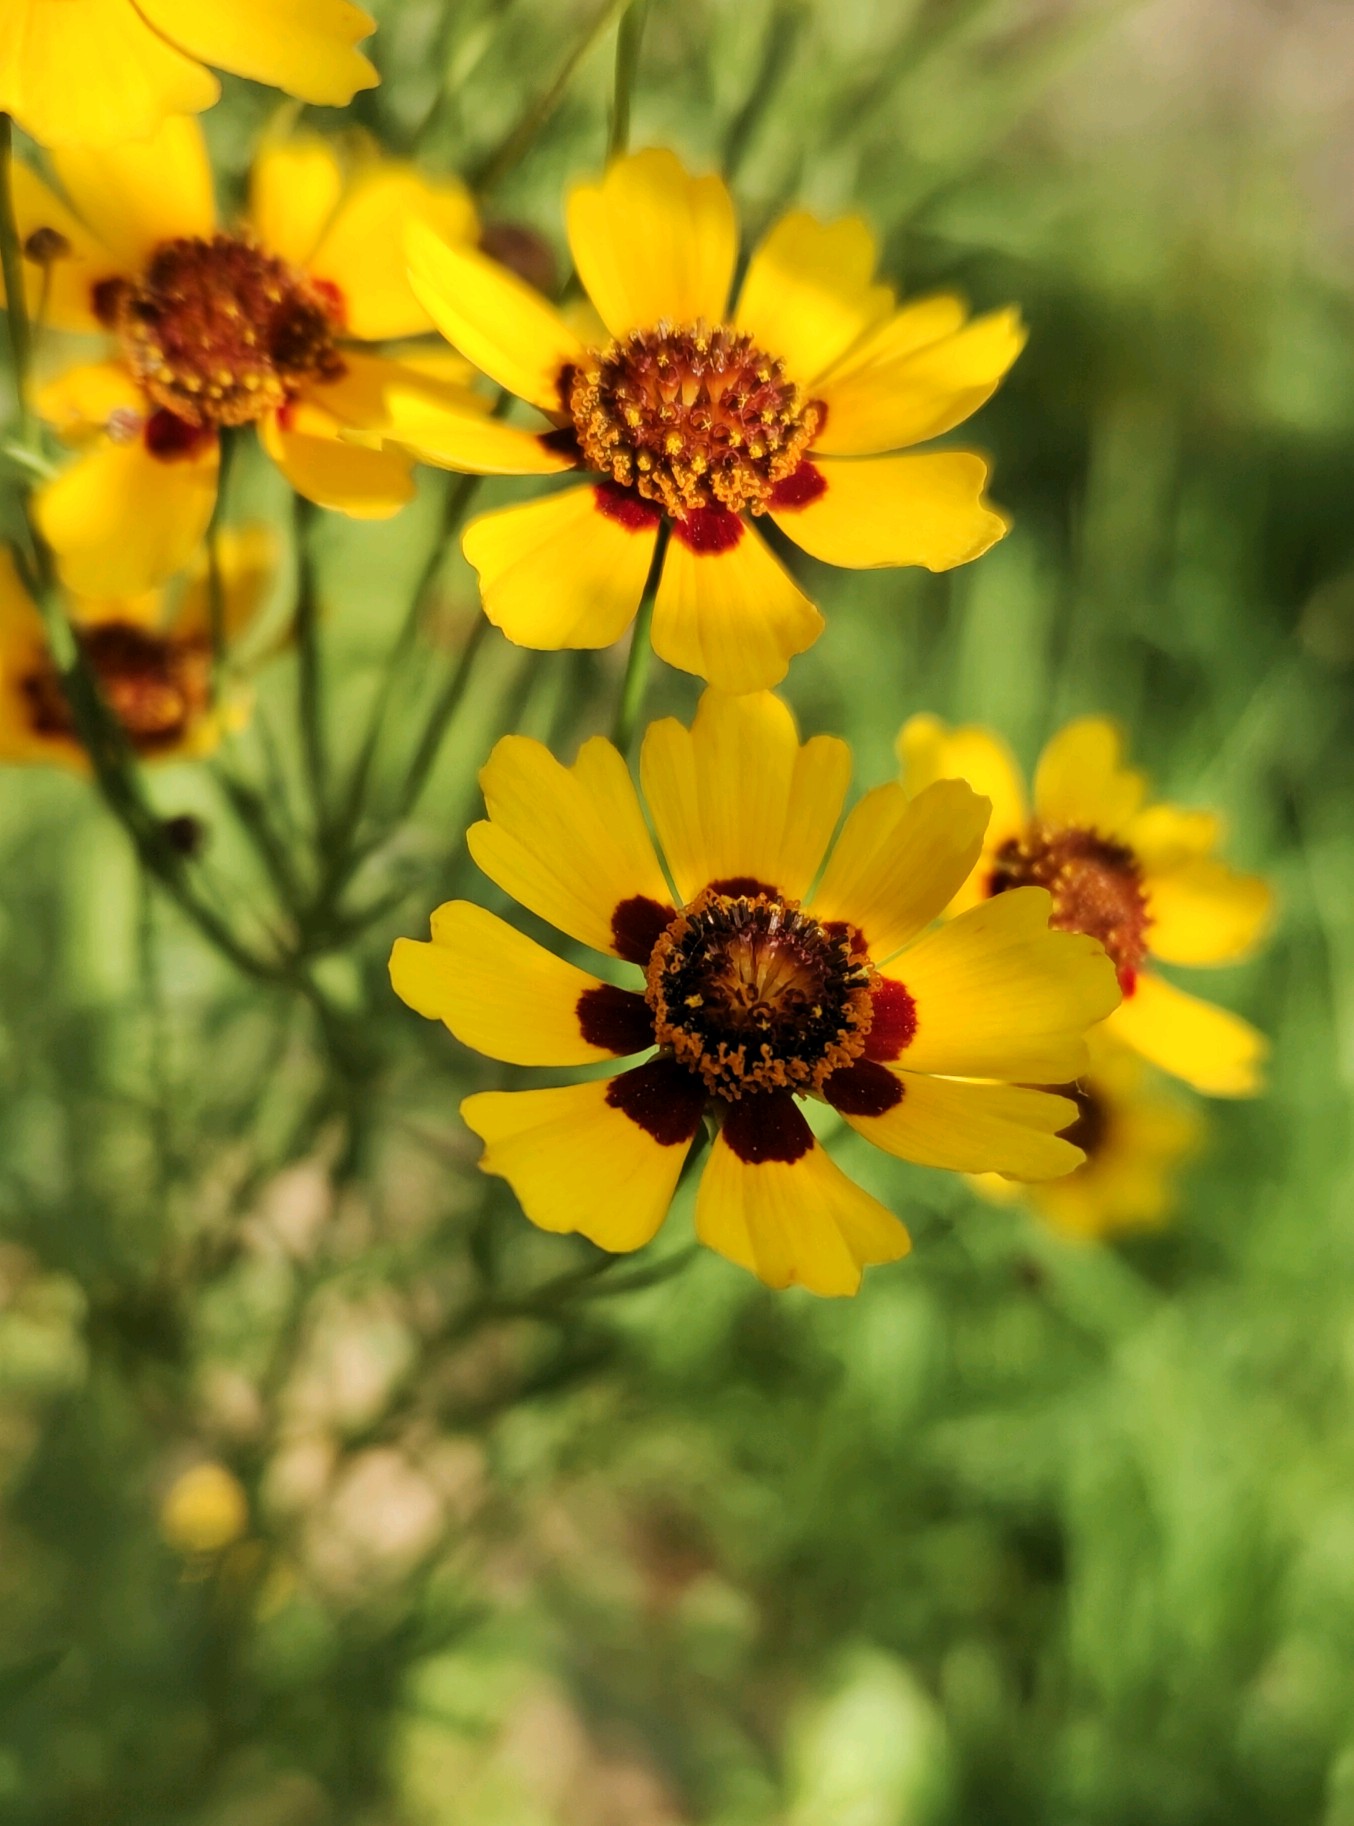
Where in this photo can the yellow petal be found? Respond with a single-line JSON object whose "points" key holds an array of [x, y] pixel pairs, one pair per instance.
{"points": [[494, 318], [899, 861], [507, 996], [878, 511], [561, 572], [362, 250], [302, 46], [364, 484], [92, 73], [1164, 836], [975, 1128], [147, 191], [294, 188], [1209, 1047], [73, 274], [459, 435], [569, 843], [577, 1162], [121, 520], [1081, 779], [248, 558], [374, 391], [1000, 996], [652, 243], [810, 292], [738, 796], [928, 750], [794, 1223], [81, 401], [730, 612], [893, 400], [1205, 913]]}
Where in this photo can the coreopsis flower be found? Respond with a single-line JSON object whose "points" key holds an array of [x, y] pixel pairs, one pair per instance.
{"points": [[150, 653], [768, 978], [99, 72], [701, 417], [1140, 877], [1135, 1141], [217, 329]]}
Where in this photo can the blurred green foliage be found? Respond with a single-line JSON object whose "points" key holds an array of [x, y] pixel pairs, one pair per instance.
{"points": [[1027, 1533]]}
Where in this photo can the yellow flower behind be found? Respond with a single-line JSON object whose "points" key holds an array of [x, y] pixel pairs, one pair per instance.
{"points": [[216, 329], [150, 653], [205, 1510], [100, 72], [1135, 1141], [1142, 878], [777, 966], [693, 418]]}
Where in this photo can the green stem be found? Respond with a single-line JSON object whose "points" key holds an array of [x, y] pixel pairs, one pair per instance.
{"points": [[425, 755], [782, 38], [635, 682], [309, 673], [629, 37], [512, 149], [16, 298], [216, 586]]}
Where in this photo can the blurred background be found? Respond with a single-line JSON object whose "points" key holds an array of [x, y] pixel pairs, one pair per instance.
{"points": [[332, 1492]]}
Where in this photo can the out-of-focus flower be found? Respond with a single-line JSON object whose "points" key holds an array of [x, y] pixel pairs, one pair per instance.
{"points": [[151, 654], [1135, 1141], [701, 419], [205, 1510], [97, 72], [756, 991], [217, 330], [1142, 879]]}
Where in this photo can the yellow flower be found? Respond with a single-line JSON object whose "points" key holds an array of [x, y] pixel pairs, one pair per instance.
{"points": [[151, 656], [97, 72], [217, 329], [759, 988], [696, 417], [204, 1511], [1134, 1140], [1141, 878]]}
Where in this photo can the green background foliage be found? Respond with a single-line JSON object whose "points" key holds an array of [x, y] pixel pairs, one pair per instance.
{"points": [[1026, 1533]]}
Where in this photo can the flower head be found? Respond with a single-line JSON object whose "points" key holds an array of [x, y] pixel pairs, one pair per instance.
{"points": [[216, 328], [767, 978], [101, 72], [1141, 878], [151, 655], [701, 417]]}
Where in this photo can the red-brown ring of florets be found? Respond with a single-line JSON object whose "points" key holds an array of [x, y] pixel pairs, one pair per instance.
{"points": [[617, 1020], [1095, 883], [625, 507], [662, 1098], [807, 485], [157, 687], [637, 925]]}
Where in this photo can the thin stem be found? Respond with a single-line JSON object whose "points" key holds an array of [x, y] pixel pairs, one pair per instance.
{"points": [[629, 37], [782, 38], [512, 149], [635, 682], [309, 673], [425, 755], [216, 586], [16, 298]]}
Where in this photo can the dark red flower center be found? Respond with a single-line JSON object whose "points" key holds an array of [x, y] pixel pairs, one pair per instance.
{"points": [[692, 417], [156, 687], [219, 332], [1096, 885]]}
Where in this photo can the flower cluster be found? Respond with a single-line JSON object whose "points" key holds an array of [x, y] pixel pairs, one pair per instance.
{"points": [[925, 969]]}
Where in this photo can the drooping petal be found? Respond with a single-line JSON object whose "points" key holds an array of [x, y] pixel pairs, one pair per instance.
{"points": [[507, 996], [789, 1213], [121, 520], [652, 243], [899, 861], [303, 46], [92, 73], [975, 1128], [1081, 779], [1202, 912], [461, 435], [147, 191], [1209, 1047], [737, 796], [361, 252], [810, 293], [880, 399], [306, 442], [494, 318], [577, 1158], [871, 512], [294, 188], [564, 571], [70, 277], [569, 843], [998, 995], [727, 609]]}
